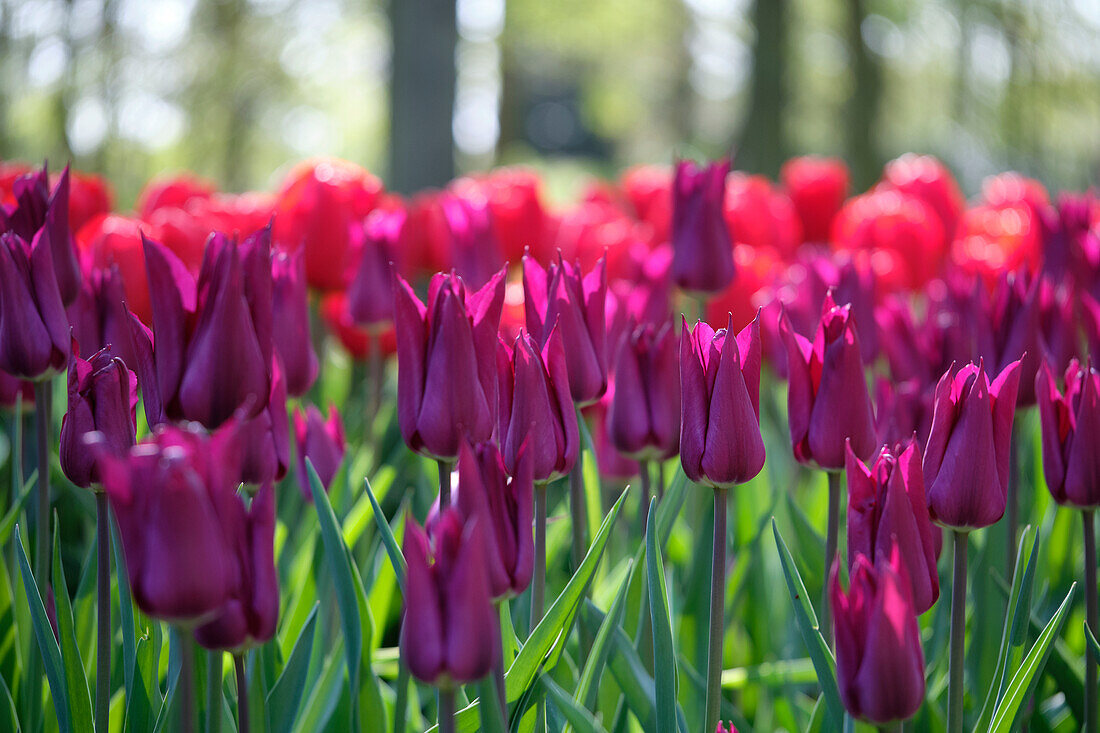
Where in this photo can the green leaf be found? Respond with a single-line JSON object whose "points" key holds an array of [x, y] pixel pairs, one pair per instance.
{"points": [[80, 701], [601, 646], [286, 694], [579, 718], [1023, 682], [392, 548], [47, 644], [346, 596], [664, 656], [492, 718], [325, 694], [804, 614], [8, 522], [1094, 645], [554, 627]]}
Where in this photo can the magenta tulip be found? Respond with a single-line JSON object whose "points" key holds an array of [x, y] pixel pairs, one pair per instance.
{"points": [[321, 440], [34, 331], [1071, 434], [702, 260], [643, 419], [370, 294], [290, 311]]}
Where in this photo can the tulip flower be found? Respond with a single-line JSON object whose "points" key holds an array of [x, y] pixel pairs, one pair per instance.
{"points": [[446, 350], [562, 297], [966, 456], [879, 660], [265, 438], [320, 440], [760, 216], [474, 251], [702, 248], [449, 632], [12, 388], [818, 187], [290, 310], [248, 617], [173, 496], [89, 196], [34, 332], [887, 510], [1071, 433], [518, 212], [722, 728], [610, 462], [926, 178], [370, 294], [40, 213], [103, 399], [99, 316], [828, 401], [643, 419]]}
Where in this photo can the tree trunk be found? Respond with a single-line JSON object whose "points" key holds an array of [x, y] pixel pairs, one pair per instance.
{"points": [[862, 108], [763, 143]]}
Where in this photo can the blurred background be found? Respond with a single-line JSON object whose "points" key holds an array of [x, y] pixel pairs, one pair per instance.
{"points": [[421, 90]]}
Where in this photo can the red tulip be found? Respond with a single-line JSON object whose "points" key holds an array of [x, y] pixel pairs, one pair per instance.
{"points": [[817, 187]]}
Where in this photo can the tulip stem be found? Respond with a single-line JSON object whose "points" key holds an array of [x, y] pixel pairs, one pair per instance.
{"points": [[576, 509], [185, 685], [1091, 616], [446, 710], [660, 468], [444, 485], [242, 693], [401, 707], [958, 634], [214, 691], [717, 612], [43, 418], [538, 584], [103, 601], [643, 508], [376, 374], [1012, 512], [831, 532]]}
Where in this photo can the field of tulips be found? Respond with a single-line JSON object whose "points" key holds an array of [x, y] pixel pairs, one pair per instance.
{"points": [[695, 451]]}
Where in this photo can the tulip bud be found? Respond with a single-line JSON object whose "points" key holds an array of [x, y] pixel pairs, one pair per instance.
{"points": [[702, 259], [722, 728], [879, 660], [644, 416], [887, 509], [40, 213], [720, 441], [265, 439], [966, 458], [474, 250], [818, 187], [98, 315], [34, 338], [173, 496], [449, 633], [576, 305], [102, 398], [290, 309], [370, 294], [249, 616], [322, 442], [827, 401], [1071, 432], [446, 379]]}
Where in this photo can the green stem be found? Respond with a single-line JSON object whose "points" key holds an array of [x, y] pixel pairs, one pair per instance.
{"points": [[538, 583], [717, 612], [242, 694], [444, 484], [643, 507], [446, 711], [401, 708], [43, 418], [103, 602], [576, 511], [1012, 502], [1091, 616], [214, 691], [660, 481], [958, 635], [832, 531], [185, 687]]}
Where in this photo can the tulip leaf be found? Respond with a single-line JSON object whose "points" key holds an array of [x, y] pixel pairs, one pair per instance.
{"points": [[8, 522], [1023, 682], [286, 694], [554, 627], [392, 548], [346, 595], [664, 655], [577, 716], [1094, 645], [804, 614], [601, 647], [47, 644], [492, 718], [8, 716], [325, 694], [80, 701]]}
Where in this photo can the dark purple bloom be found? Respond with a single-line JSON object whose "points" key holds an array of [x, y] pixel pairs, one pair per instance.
{"points": [[1071, 434], [702, 260], [643, 419], [321, 440], [290, 311], [370, 294], [34, 331]]}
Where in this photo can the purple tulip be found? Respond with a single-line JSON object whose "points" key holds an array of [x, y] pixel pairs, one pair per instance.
{"points": [[879, 660], [449, 633], [174, 496], [643, 419], [290, 310], [475, 251], [265, 438], [536, 407], [34, 331], [610, 462], [103, 399], [320, 440], [446, 351], [370, 294], [11, 388], [887, 509], [99, 317], [827, 400], [1017, 322], [1071, 434], [575, 304], [38, 212], [702, 260], [720, 441], [248, 617], [966, 458]]}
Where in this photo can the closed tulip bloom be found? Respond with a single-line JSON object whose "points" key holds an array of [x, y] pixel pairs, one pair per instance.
{"points": [[370, 294], [321, 440], [887, 509], [99, 317], [103, 399], [42, 213], [173, 496], [446, 351], [966, 458], [562, 296], [12, 389], [504, 508], [720, 441], [643, 419], [1071, 434], [449, 633], [290, 309], [817, 187], [536, 407], [879, 660], [474, 250], [828, 402], [265, 438], [702, 259], [249, 616], [34, 331]]}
